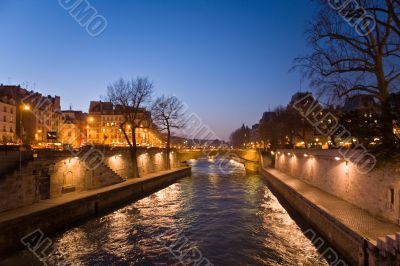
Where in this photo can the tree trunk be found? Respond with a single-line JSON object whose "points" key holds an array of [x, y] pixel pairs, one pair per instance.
{"points": [[168, 161], [133, 152], [387, 126], [386, 112]]}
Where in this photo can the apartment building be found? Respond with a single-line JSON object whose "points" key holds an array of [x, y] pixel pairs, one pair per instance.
{"points": [[39, 116], [73, 130], [8, 118], [103, 127]]}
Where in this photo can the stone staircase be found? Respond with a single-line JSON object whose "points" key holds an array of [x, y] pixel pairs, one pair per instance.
{"points": [[105, 176], [385, 250], [21, 188]]}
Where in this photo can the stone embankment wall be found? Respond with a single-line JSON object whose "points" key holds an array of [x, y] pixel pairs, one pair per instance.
{"points": [[51, 178], [56, 215], [149, 161], [377, 191], [53, 175], [10, 159]]}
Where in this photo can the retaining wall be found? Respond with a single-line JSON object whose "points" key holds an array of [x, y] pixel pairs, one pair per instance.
{"points": [[349, 244], [65, 173], [54, 215], [377, 192]]}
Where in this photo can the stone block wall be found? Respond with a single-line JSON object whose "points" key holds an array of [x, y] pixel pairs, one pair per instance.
{"points": [[66, 174], [10, 159], [377, 192], [148, 162]]}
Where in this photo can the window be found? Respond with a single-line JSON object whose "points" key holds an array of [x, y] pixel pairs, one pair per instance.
{"points": [[5, 109], [390, 199], [4, 129], [11, 110], [11, 130], [5, 119]]}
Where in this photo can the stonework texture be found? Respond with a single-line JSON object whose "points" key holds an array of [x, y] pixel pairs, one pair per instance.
{"points": [[377, 191]]}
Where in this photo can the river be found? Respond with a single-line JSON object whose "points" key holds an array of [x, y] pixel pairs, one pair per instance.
{"points": [[214, 217]]}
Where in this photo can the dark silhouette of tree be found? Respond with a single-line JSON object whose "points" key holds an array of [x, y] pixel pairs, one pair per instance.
{"points": [[363, 60], [168, 114], [240, 137], [283, 126], [133, 98]]}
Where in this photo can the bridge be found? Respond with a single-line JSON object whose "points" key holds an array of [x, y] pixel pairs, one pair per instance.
{"points": [[249, 158]]}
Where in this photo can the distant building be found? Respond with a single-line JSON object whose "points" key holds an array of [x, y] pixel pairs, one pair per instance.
{"points": [[267, 116], [103, 127], [301, 98], [73, 130], [38, 117], [8, 117], [255, 135], [361, 103]]}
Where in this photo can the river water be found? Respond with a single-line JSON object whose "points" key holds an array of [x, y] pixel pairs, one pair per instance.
{"points": [[214, 217]]}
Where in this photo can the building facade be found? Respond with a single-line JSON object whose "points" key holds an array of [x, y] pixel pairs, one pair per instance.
{"points": [[73, 130], [8, 117], [38, 117], [103, 127]]}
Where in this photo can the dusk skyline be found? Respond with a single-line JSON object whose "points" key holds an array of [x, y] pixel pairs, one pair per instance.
{"points": [[206, 53]]}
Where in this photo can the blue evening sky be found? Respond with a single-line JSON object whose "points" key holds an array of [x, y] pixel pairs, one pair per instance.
{"points": [[228, 60]]}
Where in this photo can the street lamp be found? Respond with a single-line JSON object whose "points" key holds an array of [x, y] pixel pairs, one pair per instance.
{"points": [[23, 108]]}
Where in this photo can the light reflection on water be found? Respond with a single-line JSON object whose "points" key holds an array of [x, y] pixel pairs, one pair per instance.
{"points": [[233, 219]]}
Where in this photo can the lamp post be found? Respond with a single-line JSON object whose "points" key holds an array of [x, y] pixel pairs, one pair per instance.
{"points": [[22, 108]]}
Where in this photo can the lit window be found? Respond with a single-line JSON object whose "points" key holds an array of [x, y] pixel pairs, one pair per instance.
{"points": [[390, 199]]}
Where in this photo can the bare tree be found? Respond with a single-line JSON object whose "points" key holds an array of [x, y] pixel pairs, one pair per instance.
{"points": [[391, 7], [132, 98], [350, 59], [168, 114]]}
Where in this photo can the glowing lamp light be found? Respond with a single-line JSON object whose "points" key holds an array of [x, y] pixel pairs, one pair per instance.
{"points": [[305, 155], [337, 158], [347, 168], [26, 107], [289, 153], [272, 153]]}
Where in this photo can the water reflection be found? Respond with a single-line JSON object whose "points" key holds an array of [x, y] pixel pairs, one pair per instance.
{"points": [[233, 219]]}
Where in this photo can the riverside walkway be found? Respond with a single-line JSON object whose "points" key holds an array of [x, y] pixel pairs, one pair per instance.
{"points": [[353, 217], [377, 237]]}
